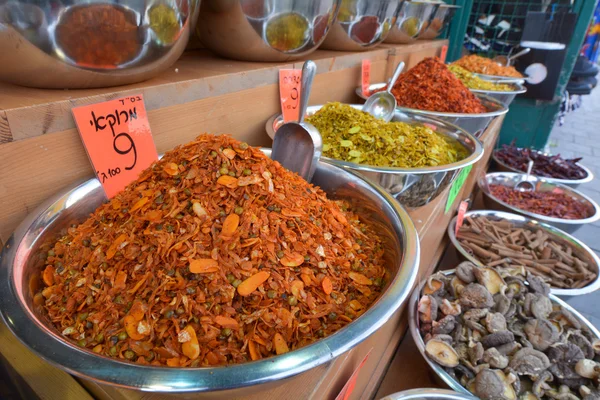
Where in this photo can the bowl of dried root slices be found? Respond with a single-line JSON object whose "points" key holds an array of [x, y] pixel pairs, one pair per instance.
{"points": [[503, 335]]}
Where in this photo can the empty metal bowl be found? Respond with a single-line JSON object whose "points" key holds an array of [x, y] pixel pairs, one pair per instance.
{"points": [[440, 20], [579, 247], [64, 44], [412, 187], [573, 183], [21, 262], [429, 394], [265, 30], [412, 17], [541, 185], [475, 124], [504, 97], [361, 25]]}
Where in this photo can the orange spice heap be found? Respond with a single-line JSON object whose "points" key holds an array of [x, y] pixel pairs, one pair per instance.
{"points": [[483, 65], [215, 255]]}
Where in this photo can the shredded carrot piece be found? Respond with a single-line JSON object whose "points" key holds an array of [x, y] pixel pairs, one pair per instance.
{"points": [[230, 225], [292, 260], [251, 284], [171, 169], [228, 181], [280, 344], [114, 247], [359, 278], [204, 266], [254, 354], [226, 322], [191, 348], [131, 327], [327, 286], [139, 204], [48, 275]]}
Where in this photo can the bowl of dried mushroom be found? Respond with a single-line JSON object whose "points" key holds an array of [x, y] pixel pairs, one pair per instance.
{"points": [[503, 335]]}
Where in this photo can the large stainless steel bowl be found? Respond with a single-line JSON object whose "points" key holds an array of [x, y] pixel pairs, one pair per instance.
{"points": [[501, 79], [361, 25], [265, 30], [452, 383], [475, 124], [429, 394], [412, 17], [504, 97], [412, 187], [440, 20], [510, 179], [21, 261], [98, 43], [574, 183], [580, 248]]}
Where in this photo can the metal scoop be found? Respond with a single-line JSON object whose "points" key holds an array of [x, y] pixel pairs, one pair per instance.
{"points": [[524, 185], [297, 146], [382, 105], [510, 59]]}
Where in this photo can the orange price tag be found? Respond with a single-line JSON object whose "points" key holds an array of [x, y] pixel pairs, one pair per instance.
{"points": [[460, 218], [366, 76], [349, 386], [290, 81], [116, 135], [443, 53]]}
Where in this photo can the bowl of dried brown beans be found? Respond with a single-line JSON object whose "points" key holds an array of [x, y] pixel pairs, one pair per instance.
{"points": [[552, 203]]}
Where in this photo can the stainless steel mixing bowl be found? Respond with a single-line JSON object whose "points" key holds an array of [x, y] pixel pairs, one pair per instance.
{"points": [[412, 17], [475, 124], [429, 394], [510, 179], [98, 43], [574, 183], [440, 20], [413, 321], [412, 187], [265, 30], [22, 260], [361, 24], [504, 97], [580, 248]]}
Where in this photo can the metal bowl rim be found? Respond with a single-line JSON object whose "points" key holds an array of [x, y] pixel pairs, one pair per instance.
{"points": [[519, 90], [69, 357], [588, 178], [506, 79], [593, 286], [428, 393], [540, 217], [475, 155], [451, 382]]}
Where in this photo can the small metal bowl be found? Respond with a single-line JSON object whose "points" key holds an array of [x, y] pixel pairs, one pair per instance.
{"points": [[361, 25], [21, 262], [251, 30], [412, 187], [475, 124], [504, 97], [452, 383], [501, 79], [578, 246], [440, 20], [411, 18], [573, 183], [510, 179], [429, 394]]}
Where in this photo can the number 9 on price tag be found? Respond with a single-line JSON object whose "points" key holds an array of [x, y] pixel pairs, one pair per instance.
{"points": [[290, 82], [116, 135]]}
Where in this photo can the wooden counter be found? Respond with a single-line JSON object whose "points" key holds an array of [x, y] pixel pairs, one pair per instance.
{"points": [[41, 152]]}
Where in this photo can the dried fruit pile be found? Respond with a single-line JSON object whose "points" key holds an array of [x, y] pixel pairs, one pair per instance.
{"points": [[215, 255], [486, 66], [502, 244], [502, 338]]}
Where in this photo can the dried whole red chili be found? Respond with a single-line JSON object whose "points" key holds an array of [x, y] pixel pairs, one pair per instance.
{"points": [[429, 85], [215, 255], [556, 204]]}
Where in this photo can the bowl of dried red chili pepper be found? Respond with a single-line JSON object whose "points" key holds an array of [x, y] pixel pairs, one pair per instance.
{"points": [[216, 270], [555, 204]]}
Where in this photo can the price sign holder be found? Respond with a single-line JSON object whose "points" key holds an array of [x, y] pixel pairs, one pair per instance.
{"points": [[460, 217], [349, 386], [366, 76], [290, 82], [116, 135], [456, 186], [444, 53]]}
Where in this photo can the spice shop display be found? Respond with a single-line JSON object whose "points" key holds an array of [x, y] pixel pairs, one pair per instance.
{"points": [[504, 336], [486, 66], [504, 242]]}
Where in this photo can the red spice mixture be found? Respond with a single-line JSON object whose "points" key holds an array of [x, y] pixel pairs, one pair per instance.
{"points": [[549, 204], [429, 85]]}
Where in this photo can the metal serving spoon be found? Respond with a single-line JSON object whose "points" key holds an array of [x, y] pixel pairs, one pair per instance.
{"points": [[298, 145], [510, 59], [524, 185], [382, 105]]}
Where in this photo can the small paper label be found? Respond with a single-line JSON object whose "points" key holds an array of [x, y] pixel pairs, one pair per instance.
{"points": [[349, 386], [443, 53], [116, 135], [290, 81], [457, 186], [460, 217], [366, 76]]}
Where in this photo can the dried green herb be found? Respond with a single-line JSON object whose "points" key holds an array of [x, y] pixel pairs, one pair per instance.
{"points": [[353, 135], [473, 82]]}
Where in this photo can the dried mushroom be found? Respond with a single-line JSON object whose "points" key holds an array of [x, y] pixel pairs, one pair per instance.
{"points": [[541, 333], [442, 353], [575, 337], [495, 322], [444, 326], [496, 360], [587, 368], [528, 361], [492, 384], [498, 339], [475, 314], [464, 271], [541, 384], [475, 353], [565, 318], [537, 305], [490, 278], [450, 308], [433, 285], [476, 296], [538, 285], [428, 309]]}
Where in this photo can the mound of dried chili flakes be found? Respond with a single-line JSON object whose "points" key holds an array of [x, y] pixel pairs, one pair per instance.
{"points": [[215, 255], [430, 86]]}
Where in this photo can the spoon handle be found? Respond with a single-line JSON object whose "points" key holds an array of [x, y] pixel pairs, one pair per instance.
{"points": [[309, 70], [519, 54], [529, 168], [394, 78]]}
